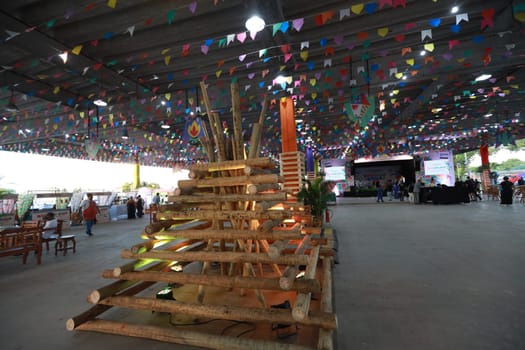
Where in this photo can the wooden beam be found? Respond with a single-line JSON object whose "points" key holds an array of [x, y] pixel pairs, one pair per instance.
{"points": [[231, 181], [226, 215], [325, 340], [302, 302], [229, 234], [236, 197], [234, 164], [224, 312], [302, 285], [181, 336], [238, 149], [237, 257]]}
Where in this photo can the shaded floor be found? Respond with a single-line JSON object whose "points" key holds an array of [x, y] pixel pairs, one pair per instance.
{"points": [[430, 277], [409, 277]]}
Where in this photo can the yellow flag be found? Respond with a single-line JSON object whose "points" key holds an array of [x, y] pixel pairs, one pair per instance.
{"points": [[429, 47], [382, 32], [76, 50], [313, 81], [314, 95], [167, 96], [218, 73], [112, 3], [167, 60], [56, 90], [410, 62], [357, 9], [304, 55]]}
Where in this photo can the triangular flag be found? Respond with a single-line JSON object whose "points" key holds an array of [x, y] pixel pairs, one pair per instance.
{"points": [[76, 50], [357, 9], [461, 17], [429, 47], [304, 55], [382, 32], [427, 33], [229, 39], [112, 3], [344, 13], [130, 30], [298, 24]]}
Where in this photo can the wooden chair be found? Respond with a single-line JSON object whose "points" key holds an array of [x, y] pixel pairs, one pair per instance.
{"points": [[62, 243]]}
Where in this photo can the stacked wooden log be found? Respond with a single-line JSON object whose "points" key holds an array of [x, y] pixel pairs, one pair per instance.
{"points": [[239, 251]]}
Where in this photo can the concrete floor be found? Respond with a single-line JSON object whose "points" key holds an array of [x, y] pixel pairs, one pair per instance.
{"points": [[409, 277]]}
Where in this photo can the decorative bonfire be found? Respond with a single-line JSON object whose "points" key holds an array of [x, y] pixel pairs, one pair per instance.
{"points": [[231, 250]]}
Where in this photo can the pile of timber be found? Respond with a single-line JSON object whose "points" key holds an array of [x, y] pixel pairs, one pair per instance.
{"points": [[232, 220]]}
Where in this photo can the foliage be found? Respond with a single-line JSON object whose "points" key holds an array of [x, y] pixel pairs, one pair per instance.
{"points": [[316, 194], [509, 164]]}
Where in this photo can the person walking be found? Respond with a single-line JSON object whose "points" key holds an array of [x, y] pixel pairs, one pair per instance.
{"points": [[131, 206], [379, 192], [140, 206], [89, 212]]}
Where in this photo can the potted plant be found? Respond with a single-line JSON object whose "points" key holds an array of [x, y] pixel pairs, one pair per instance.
{"points": [[315, 194]]}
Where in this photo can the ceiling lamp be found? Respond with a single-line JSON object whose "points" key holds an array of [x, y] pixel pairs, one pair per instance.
{"points": [[483, 77], [454, 9], [255, 24], [100, 103], [63, 56], [165, 126]]}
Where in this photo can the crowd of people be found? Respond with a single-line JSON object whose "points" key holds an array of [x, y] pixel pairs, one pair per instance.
{"points": [[421, 192]]}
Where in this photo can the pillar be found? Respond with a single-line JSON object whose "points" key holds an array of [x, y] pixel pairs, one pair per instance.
{"points": [[136, 175], [485, 167]]}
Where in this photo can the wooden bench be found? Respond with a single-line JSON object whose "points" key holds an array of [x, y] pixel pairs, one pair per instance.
{"points": [[21, 241]]}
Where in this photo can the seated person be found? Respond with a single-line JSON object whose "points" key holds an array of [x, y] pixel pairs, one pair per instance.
{"points": [[50, 227]]}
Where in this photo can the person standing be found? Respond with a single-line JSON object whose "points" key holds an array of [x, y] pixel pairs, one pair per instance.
{"points": [[131, 206], [89, 212], [417, 189], [507, 190], [156, 199], [140, 206]]}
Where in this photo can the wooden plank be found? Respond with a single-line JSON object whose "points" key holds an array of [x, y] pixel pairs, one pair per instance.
{"points": [[234, 164], [231, 181]]}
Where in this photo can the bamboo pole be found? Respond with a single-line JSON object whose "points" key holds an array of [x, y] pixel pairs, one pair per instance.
{"points": [[235, 197], [255, 188], [237, 126], [96, 310], [234, 164], [325, 341], [228, 234], [256, 136], [254, 140], [116, 287], [227, 215], [276, 248], [224, 312], [286, 281], [211, 118], [231, 181], [206, 142], [190, 191], [301, 285], [302, 302], [181, 336], [217, 257], [251, 170]]}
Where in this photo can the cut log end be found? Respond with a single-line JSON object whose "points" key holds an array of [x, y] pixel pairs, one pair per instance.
{"points": [[70, 324], [94, 297]]}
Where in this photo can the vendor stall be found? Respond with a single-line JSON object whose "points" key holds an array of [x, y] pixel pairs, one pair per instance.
{"points": [[51, 202], [8, 209]]}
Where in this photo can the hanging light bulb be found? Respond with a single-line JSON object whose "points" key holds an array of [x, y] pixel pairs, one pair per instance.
{"points": [[63, 56], [255, 24]]}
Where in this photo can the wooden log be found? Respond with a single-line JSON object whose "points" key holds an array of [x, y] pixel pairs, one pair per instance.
{"points": [[268, 225], [251, 170], [147, 245], [237, 125], [286, 281], [234, 197], [223, 312], [196, 174], [228, 234], [258, 188], [217, 137], [207, 143], [221, 146], [96, 310], [216, 257], [255, 146], [234, 164], [325, 340], [301, 285], [302, 302], [96, 295], [190, 191], [226, 215], [265, 205], [181, 336], [231, 181], [276, 248], [254, 140]]}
